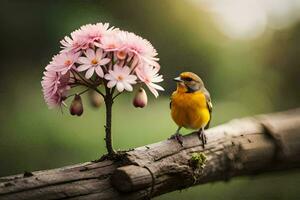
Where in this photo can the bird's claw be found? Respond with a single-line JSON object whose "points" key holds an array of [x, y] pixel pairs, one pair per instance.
{"points": [[202, 137], [178, 137]]}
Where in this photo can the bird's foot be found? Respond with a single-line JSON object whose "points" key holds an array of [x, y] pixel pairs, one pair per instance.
{"points": [[177, 137], [202, 137]]}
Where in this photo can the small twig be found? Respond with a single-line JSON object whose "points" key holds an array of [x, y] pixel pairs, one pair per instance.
{"points": [[113, 90], [86, 83], [98, 91], [80, 93], [117, 95], [82, 78]]}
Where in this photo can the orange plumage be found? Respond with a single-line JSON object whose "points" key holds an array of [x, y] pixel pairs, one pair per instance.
{"points": [[190, 104], [189, 110]]}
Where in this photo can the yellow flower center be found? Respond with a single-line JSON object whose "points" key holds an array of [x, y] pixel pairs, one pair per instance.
{"points": [[94, 61], [120, 78]]}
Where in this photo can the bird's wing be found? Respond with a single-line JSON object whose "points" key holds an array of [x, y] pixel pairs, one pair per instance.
{"points": [[209, 105]]}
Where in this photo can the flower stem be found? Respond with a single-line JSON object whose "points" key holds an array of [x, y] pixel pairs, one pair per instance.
{"points": [[117, 95], [108, 137], [80, 93]]}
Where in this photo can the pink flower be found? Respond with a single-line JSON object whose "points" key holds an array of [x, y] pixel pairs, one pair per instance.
{"points": [[74, 43], [63, 62], [121, 78], [55, 87], [88, 35], [140, 47], [94, 32], [149, 75], [120, 59], [92, 63], [110, 42]]}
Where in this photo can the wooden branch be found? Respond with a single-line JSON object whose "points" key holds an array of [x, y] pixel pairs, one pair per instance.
{"points": [[240, 147]]}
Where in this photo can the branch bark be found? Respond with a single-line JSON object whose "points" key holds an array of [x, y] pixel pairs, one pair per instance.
{"points": [[240, 147]]}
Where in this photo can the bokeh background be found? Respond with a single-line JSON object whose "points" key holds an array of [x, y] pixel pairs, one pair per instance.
{"points": [[246, 51]]}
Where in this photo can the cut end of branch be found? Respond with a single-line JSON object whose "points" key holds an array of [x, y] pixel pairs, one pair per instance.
{"points": [[131, 178]]}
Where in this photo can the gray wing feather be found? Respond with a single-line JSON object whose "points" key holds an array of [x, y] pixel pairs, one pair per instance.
{"points": [[208, 103]]}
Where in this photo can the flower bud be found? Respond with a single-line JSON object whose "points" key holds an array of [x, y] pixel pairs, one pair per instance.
{"points": [[96, 99], [76, 107], [140, 100]]}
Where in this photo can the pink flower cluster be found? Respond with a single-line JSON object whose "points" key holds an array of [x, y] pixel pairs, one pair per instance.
{"points": [[97, 54]]}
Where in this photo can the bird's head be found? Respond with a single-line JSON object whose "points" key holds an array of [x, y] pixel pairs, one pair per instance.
{"points": [[188, 82]]}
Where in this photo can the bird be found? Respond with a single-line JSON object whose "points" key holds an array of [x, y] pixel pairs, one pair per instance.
{"points": [[191, 106]]}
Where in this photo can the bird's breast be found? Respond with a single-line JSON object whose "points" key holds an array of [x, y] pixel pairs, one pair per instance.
{"points": [[189, 110]]}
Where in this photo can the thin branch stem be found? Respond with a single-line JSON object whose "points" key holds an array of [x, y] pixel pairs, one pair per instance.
{"points": [[108, 98], [117, 95], [80, 93], [113, 91], [81, 77], [108, 136], [86, 82], [98, 91]]}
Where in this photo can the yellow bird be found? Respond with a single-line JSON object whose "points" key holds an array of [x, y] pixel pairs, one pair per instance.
{"points": [[190, 105]]}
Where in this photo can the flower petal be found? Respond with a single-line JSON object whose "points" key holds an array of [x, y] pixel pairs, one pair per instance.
{"points": [[120, 87], [111, 84], [131, 79], [76, 56], [89, 73], [90, 54], [157, 87], [99, 53], [84, 60], [127, 86], [153, 91], [83, 67], [99, 71], [109, 77], [104, 61]]}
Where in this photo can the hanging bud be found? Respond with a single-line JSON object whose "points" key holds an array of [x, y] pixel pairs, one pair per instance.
{"points": [[140, 100], [96, 99], [76, 107]]}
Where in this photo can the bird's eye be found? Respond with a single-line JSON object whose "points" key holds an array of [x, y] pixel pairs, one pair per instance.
{"points": [[188, 79]]}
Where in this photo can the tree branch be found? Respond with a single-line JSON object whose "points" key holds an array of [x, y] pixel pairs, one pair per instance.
{"points": [[240, 147]]}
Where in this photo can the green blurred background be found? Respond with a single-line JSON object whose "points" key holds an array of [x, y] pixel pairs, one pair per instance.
{"points": [[246, 51]]}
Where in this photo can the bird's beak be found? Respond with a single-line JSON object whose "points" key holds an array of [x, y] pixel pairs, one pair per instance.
{"points": [[177, 79]]}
